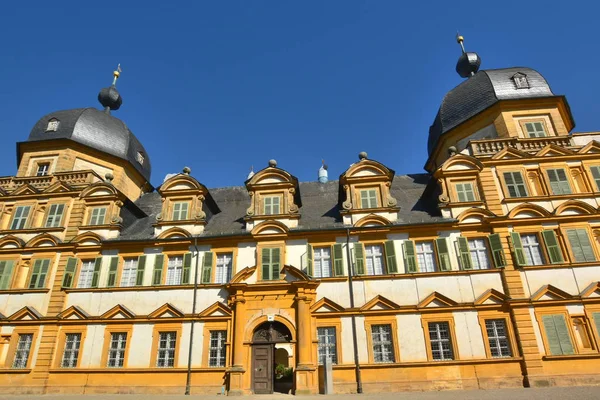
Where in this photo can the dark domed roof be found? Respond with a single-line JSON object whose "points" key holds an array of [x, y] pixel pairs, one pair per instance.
{"points": [[481, 91], [96, 129]]}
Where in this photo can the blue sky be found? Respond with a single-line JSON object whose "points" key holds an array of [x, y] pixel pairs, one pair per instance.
{"points": [[223, 85]]}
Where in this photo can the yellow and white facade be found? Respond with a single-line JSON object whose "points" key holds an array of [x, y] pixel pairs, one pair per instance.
{"points": [[482, 273]]}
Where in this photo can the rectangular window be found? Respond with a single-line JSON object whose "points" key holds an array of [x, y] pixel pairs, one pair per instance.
{"points": [[497, 338], [557, 334], [129, 274], [166, 349], [532, 250], [559, 184], [271, 263], [116, 351], [479, 254], [535, 129], [426, 257], [86, 274], [23, 349], [383, 347], [596, 176], [71, 351], [515, 184], [43, 169], [327, 344], [216, 357], [322, 262], [580, 245], [224, 267], [368, 198], [6, 270], [20, 217], [55, 214], [271, 205], [39, 273], [441, 345], [174, 270], [374, 259], [180, 210], [97, 216], [465, 192]]}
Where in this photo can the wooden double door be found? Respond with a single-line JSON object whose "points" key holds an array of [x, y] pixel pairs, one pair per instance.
{"points": [[262, 368]]}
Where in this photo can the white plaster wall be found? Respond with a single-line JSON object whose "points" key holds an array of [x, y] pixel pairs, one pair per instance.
{"points": [[587, 275], [184, 343], [575, 309], [483, 282], [146, 301], [536, 330], [295, 253], [560, 278], [398, 239], [347, 350], [451, 241], [469, 337], [246, 257], [36, 346], [92, 348], [139, 348], [410, 338], [361, 339], [334, 291], [11, 303], [400, 291], [7, 329], [149, 267]]}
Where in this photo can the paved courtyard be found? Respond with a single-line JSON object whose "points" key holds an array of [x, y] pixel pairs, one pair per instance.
{"points": [[562, 393]]}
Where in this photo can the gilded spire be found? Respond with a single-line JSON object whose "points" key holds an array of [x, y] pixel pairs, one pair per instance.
{"points": [[460, 40], [116, 74]]}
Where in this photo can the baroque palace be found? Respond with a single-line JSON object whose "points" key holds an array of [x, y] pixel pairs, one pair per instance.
{"points": [[482, 272]]}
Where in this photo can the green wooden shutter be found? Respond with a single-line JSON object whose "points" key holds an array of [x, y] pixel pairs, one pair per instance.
{"points": [[338, 260], [112, 272], [207, 264], [580, 245], [187, 267], [159, 262], [275, 262], [266, 263], [43, 272], [139, 279], [6, 268], [552, 247], [309, 260], [35, 274], [596, 176], [359, 258], [557, 333], [410, 259], [596, 318], [96, 275], [443, 254], [518, 251], [497, 250], [390, 256], [70, 272], [464, 253]]}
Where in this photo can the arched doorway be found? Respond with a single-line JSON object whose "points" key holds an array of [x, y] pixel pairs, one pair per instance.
{"points": [[266, 377]]}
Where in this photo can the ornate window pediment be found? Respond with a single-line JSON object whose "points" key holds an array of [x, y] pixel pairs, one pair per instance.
{"points": [[274, 195]]}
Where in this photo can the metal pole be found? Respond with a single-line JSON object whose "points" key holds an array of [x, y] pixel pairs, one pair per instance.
{"points": [[354, 340], [189, 366]]}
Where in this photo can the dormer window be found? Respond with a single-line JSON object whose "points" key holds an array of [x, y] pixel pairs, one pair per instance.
{"points": [[180, 210], [140, 157], [521, 81], [52, 125], [272, 205], [368, 198], [535, 129], [43, 169]]}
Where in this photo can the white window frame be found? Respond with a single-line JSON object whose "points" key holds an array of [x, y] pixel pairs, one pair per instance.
{"points": [[43, 169], [20, 217], [116, 350], [180, 210], [129, 273], [480, 256], [322, 262], [23, 349], [55, 214], [71, 350], [532, 248], [535, 132], [167, 343], [440, 341], [174, 270], [217, 349], [368, 198], [516, 186], [383, 344], [86, 274], [327, 344], [465, 190], [98, 215], [224, 267], [272, 205], [497, 334], [426, 256], [374, 259]]}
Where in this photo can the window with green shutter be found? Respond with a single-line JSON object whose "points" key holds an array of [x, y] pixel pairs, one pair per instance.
{"points": [[141, 267], [559, 184], [443, 254], [207, 264], [596, 175], [55, 213], [497, 250], [96, 272], [112, 272], [535, 129], [465, 192], [580, 245], [552, 246], [69, 275], [596, 321], [20, 217], [180, 210], [159, 263], [39, 273], [515, 184], [187, 267], [338, 260], [359, 259], [309, 260], [368, 198], [557, 335], [410, 260], [6, 269], [390, 257], [517, 247], [464, 253], [271, 263]]}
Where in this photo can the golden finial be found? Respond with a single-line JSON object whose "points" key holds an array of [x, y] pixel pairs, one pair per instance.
{"points": [[460, 40], [116, 74]]}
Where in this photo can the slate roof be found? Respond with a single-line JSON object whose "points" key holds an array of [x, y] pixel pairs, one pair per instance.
{"points": [[416, 194], [96, 129], [480, 92]]}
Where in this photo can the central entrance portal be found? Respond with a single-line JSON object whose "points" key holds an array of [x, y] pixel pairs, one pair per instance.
{"points": [[266, 376]]}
